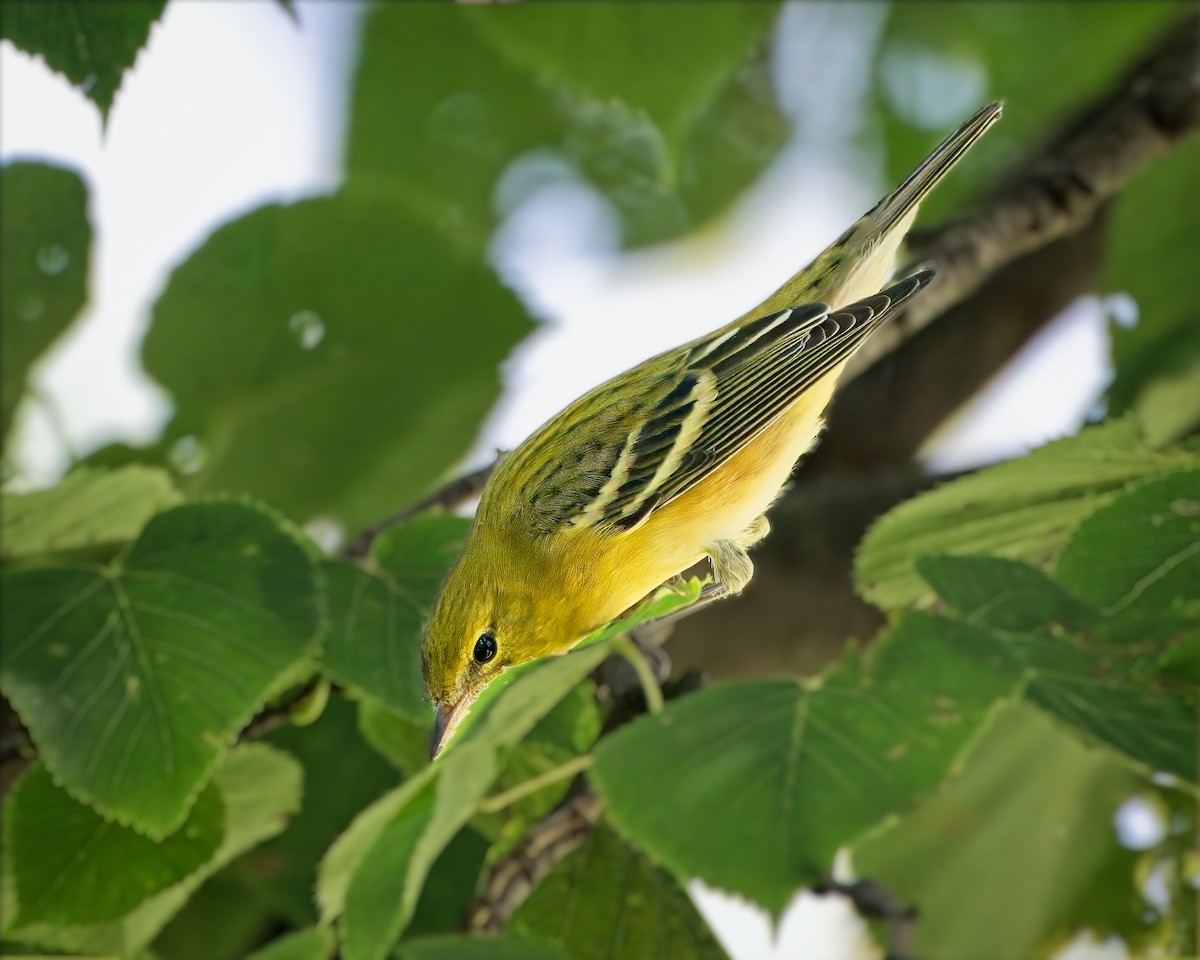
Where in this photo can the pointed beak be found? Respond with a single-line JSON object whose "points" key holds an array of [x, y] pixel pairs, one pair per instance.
{"points": [[446, 718]]}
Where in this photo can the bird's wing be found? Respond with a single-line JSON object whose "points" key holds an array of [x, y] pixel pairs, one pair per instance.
{"points": [[645, 440]]}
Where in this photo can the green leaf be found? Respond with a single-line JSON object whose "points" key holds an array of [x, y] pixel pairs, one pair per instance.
{"points": [[1024, 509], [1149, 237], [1005, 594], [259, 789], [417, 555], [73, 867], [45, 239], [373, 875], [335, 340], [1140, 554], [1018, 851], [829, 760], [88, 509], [608, 902], [404, 743], [90, 42], [376, 615], [658, 57], [315, 943], [133, 677], [219, 920], [342, 775], [475, 948], [437, 115], [1109, 692]]}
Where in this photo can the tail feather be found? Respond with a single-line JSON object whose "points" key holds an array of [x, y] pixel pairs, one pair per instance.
{"points": [[901, 201]]}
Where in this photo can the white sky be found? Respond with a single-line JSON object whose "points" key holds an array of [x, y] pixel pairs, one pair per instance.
{"points": [[189, 147]]}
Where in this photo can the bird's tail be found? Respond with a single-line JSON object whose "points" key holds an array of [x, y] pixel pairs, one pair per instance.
{"points": [[900, 201]]}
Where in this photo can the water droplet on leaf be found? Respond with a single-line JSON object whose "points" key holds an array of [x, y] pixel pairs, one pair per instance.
{"points": [[187, 455], [53, 259], [308, 328]]}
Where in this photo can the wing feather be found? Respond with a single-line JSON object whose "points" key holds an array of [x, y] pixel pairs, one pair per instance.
{"points": [[695, 408]]}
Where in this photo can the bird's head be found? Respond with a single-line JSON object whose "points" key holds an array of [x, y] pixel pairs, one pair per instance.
{"points": [[489, 617]]}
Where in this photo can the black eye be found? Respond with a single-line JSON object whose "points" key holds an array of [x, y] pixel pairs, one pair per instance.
{"points": [[485, 648]]}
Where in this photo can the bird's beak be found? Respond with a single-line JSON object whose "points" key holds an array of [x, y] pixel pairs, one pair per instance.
{"points": [[446, 718]]}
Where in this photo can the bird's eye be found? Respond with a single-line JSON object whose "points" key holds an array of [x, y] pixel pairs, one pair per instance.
{"points": [[485, 648]]}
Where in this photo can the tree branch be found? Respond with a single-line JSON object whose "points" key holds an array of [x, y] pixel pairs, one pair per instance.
{"points": [[1060, 190]]}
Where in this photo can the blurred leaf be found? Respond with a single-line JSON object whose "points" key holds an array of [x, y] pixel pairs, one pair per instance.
{"points": [[1111, 693], [464, 111], [1023, 509], [377, 612], [450, 886], [335, 340], [44, 246], [342, 775], [829, 760], [437, 115], [475, 948], [315, 943], [132, 678], [90, 42], [1141, 552], [404, 743], [1017, 852], [218, 922], [372, 876], [418, 554], [1043, 60], [374, 640], [608, 902], [1151, 240], [260, 789], [665, 59], [87, 509], [72, 867]]}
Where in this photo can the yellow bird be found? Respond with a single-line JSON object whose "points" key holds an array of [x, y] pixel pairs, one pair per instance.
{"points": [[673, 461]]}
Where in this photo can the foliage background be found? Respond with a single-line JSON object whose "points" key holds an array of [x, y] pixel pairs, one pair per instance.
{"points": [[331, 359]]}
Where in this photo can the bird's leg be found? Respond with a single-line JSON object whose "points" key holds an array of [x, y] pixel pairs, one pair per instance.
{"points": [[759, 527], [732, 567]]}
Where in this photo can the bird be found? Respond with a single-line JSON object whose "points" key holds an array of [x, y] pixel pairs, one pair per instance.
{"points": [[671, 462]]}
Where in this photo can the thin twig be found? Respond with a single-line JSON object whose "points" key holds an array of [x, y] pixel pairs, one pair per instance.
{"points": [[545, 846], [637, 660], [453, 494], [500, 801], [873, 901]]}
